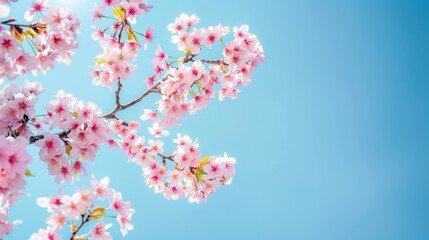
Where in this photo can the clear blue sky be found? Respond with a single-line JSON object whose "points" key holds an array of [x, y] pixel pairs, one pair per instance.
{"points": [[331, 138]]}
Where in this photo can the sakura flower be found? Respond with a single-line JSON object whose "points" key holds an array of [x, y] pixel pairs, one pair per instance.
{"points": [[101, 189], [65, 175], [37, 7], [157, 131], [50, 145], [13, 166], [156, 146], [81, 206], [57, 219], [213, 169], [125, 222], [132, 9], [118, 205], [44, 234], [149, 114], [214, 34], [97, 11], [51, 203], [99, 231], [111, 2], [148, 36]]}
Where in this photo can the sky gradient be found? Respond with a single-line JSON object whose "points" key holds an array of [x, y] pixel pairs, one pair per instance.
{"points": [[331, 137]]}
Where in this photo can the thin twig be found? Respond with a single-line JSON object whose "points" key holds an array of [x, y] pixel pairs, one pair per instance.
{"points": [[120, 107], [166, 157], [83, 221]]}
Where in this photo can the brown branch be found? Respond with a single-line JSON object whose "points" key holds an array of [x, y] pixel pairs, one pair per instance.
{"points": [[117, 92], [7, 22], [83, 221], [190, 58], [166, 157], [36, 138], [119, 107], [120, 32]]}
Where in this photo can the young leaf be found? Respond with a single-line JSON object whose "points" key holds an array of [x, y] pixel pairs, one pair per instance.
{"points": [[119, 13], [131, 35], [204, 161], [98, 213]]}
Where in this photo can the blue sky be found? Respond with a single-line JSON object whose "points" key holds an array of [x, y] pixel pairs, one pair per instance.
{"points": [[331, 137]]}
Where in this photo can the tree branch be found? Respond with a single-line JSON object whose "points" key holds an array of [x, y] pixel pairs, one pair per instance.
{"points": [[88, 218], [166, 157], [120, 107], [36, 138]]}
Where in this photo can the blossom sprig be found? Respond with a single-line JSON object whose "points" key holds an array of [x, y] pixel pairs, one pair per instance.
{"points": [[69, 134], [13, 169], [114, 64], [51, 39], [189, 175], [82, 130], [83, 208], [189, 83], [17, 109]]}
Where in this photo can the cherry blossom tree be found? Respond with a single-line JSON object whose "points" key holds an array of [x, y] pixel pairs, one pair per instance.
{"points": [[69, 132]]}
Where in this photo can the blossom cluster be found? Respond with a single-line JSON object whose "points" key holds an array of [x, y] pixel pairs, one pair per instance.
{"points": [[192, 42], [51, 39], [126, 9], [114, 63], [69, 134], [189, 85], [17, 108], [82, 130], [189, 175], [81, 206], [13, 168], [241, 56]]}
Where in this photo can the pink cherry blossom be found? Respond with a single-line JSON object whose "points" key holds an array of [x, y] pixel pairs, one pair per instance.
{"points": [[125, 221], [148, 36], [44, 234], [101, 188], [81, 205], [37, 7], [99, 231], [53, 38], [69, 133]]}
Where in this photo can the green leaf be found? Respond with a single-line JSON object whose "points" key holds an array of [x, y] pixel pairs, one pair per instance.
{"points": [[188, 51], [28, 173], [199, 174], [68, 149], [119, 13], [200, 89], [30, 32], [100, 61], [204, 161], [98, 213], [131, 35]]}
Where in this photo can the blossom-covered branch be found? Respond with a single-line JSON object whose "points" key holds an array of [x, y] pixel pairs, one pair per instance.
{"points": [[68, 134]]}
